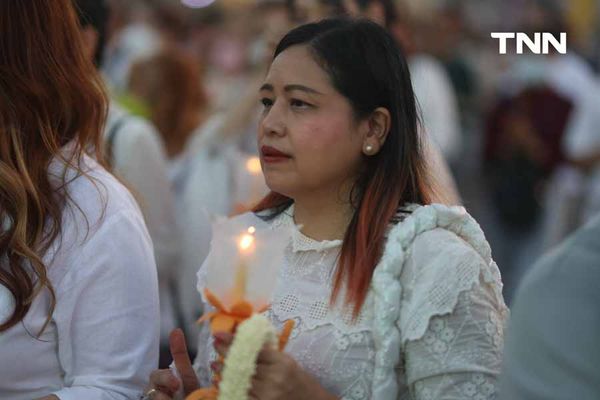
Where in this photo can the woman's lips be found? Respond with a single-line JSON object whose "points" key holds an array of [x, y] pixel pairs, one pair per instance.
{"points": [[272, 155]]}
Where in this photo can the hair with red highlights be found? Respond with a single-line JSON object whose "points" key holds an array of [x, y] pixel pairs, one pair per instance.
{"points": [[397, 175], [50, 96]]}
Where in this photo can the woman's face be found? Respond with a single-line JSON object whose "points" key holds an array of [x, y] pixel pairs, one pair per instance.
{"points": [[308, 138]]}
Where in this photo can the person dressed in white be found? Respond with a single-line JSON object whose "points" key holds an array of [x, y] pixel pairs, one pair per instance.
{"points": [[393, 298], [136, 154], [79, 306]]}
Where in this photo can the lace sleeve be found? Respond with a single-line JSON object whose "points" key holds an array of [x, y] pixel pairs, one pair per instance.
{"points": [[459, 356], [452, 329]]}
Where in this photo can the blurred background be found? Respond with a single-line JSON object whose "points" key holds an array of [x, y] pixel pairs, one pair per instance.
{"points": [[520, 132]]}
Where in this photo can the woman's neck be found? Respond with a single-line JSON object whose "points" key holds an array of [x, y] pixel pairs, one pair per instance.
{"points": [[324, 217]]}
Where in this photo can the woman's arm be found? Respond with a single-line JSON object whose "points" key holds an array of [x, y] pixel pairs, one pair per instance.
{"points": [[107, 314], [460, 354], [453, 320]]}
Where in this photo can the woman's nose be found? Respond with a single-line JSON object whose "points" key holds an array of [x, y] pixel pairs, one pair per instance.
{"points": [[273, 122]]}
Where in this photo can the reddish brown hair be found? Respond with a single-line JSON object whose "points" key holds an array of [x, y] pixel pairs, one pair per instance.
{"points": [[50, 95], [170, 83]]}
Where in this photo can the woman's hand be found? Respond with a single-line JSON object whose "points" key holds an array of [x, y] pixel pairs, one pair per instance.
{"points": [[279, 377], [164, 381]]}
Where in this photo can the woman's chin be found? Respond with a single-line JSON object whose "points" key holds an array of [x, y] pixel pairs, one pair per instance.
{"points": [[283, 188]]}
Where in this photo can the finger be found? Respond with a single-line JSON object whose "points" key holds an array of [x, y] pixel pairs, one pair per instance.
{"points": [[160, 394], [269, 355], [257, 389], [182, 361], [164, 380]]}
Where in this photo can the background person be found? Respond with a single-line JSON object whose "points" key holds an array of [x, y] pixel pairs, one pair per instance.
{"points": [[78, 292]]}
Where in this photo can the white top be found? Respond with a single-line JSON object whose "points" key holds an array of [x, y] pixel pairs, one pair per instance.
{"points": [[102, 340], [139, 159], [431, 327]]}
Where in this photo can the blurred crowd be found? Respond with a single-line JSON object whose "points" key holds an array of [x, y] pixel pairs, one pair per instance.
{"points": [[518, 133]]}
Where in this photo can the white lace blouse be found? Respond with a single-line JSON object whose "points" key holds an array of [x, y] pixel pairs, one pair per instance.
{"points": [[432, 324]]}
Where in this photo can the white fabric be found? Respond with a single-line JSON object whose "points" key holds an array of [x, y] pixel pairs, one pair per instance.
{"points": [[102, 340], [431, 326], [437, 102], [139, 159]]}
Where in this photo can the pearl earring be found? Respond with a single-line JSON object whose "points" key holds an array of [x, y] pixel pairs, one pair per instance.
{"points": [[368, 149]]}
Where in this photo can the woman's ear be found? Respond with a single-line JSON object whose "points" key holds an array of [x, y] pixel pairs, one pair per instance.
{"points": [[378, 127]]}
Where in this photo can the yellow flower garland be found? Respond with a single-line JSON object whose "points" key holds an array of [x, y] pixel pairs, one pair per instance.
{"points": [[240, 364]]}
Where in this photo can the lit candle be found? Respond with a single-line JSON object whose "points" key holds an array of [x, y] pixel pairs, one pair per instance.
{"points": [[246, 246]]}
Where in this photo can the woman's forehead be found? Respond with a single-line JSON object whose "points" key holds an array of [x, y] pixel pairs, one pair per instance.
{"points": [[296, 65]]}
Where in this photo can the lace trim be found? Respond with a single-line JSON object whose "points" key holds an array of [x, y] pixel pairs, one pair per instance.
{"points": [[310, 315], [387, 290], [415, 320]]}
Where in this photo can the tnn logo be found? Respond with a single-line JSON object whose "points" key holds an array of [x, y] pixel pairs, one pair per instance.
{"points": [[539, 45]]}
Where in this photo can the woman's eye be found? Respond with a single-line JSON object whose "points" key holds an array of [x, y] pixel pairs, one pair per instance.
{"points": [[299, 103], [266, 102]]}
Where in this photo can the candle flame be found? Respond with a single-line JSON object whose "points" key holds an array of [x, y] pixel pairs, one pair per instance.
{"points": [[246, 241], [253, 165], [251, 230]]}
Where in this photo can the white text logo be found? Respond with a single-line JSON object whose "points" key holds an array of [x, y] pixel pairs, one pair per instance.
{"points": [[539, 45]]}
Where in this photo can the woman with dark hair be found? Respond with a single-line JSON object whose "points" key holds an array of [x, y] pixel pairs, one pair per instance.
{"points": [[78, 287], [393, 297]]}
